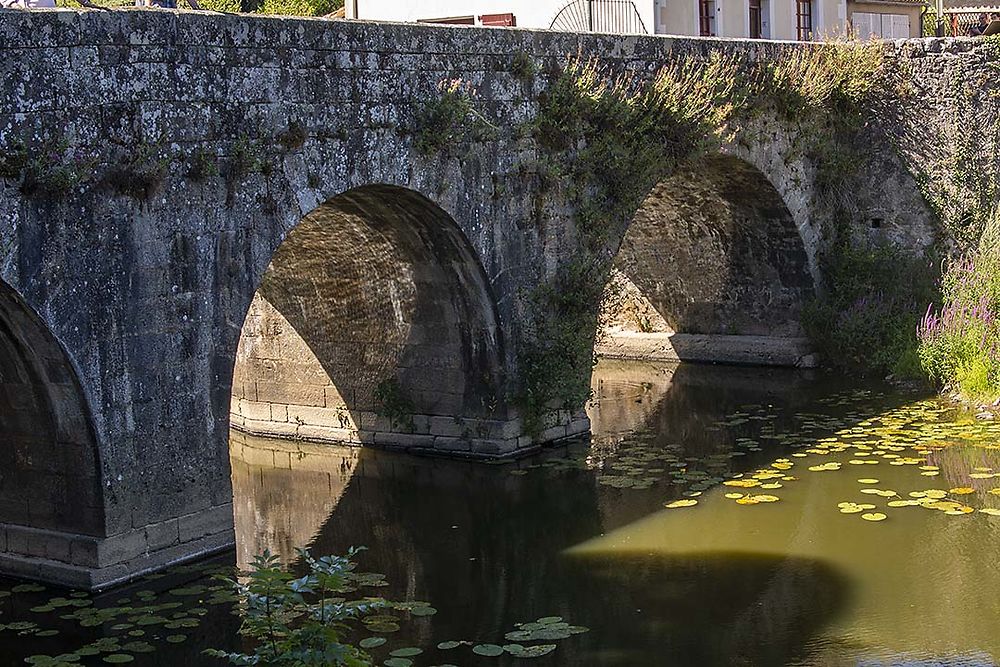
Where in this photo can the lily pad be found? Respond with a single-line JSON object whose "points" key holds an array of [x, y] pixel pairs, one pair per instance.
{"points": [[489, 650]]}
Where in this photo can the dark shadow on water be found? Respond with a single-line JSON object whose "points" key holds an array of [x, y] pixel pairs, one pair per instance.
{"points": [[486, 549], [708, 609]]}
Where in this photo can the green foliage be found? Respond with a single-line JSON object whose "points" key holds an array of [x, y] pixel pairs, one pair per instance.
{"points": [[299, 7], [866, 320], [836, 81], [56, 168], [960, 342], [447, 118], [202, 165], [224, 6], [139, 173], [245, 158], [13, 160], [393, 403], [557, 362], [299, 621], [523, 68]]}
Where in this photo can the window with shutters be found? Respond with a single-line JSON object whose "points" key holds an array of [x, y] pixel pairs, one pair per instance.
{"points": [[706, 17], [756, 31], [866, 25], [880, 26], [804, 19]]}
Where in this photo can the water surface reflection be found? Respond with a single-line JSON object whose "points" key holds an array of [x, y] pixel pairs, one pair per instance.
{"points": [[489, 548]]}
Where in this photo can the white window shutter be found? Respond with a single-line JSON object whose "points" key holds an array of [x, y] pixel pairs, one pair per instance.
{"points": [[865, 25]]}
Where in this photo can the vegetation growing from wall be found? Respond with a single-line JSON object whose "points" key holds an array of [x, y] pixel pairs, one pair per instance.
{"points": [[621, 134], [139, 172], [448, 117], [392, 403], [866, 320], [960, 341]]}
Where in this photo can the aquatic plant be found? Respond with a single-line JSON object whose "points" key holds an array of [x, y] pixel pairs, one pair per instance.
{"points": [[299, 621]]}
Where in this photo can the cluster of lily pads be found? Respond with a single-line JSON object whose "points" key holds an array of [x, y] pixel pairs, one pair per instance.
{"points": [[547, 629], [910, 436], [131, 626], [137, 624]]}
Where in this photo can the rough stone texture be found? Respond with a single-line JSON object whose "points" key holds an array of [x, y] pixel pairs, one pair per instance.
{"points": [[146, 299], [715, 250]]}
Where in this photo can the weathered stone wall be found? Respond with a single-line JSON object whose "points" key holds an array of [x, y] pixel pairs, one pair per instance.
{"points": [[714, 250], [374, 324], [144, 278]]}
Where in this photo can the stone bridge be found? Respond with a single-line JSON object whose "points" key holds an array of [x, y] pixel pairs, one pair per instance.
{"points": [[185, 194]]}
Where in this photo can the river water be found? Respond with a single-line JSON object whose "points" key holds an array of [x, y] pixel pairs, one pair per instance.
{"points": [[810, 522]]}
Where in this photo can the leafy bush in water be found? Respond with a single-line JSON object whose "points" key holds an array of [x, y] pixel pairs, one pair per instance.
{"points": [[298, 621], [960, 342], [866, 320]]}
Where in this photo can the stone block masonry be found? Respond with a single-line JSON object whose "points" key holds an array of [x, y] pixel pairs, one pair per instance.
{"points": [[176, 156]]}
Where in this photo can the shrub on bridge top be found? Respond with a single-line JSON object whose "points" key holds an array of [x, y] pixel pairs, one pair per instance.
{"points": [[225, 6], [295, 7]]}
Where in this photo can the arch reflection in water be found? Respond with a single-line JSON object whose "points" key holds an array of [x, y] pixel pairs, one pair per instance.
{"points": [[469, 537]]}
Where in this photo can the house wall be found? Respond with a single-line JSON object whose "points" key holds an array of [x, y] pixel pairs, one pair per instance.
{"points": [[680, 17], [529, 13]]}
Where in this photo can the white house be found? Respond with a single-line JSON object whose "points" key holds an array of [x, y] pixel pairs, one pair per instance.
{"points": [[766, 19]]}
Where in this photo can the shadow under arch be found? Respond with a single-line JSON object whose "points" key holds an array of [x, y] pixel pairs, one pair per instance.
{"points": [[49, 462], [713, 249], [374, 323]]}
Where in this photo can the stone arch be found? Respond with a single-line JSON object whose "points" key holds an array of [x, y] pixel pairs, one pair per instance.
{"points": [[374, 323], [713, 249], [49, 462]]}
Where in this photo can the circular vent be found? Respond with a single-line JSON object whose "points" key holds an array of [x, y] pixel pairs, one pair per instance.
{"points": [[611, 16]]}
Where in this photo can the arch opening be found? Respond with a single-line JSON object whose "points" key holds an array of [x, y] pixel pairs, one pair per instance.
{"points": [[49, 467], [374, 324], [712, 268]]}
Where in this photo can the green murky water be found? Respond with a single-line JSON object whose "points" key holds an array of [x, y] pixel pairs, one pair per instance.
{"points": [[809, 524]]}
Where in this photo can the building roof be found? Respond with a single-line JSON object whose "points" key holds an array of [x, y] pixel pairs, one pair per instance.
{"points": [[971, 6]]}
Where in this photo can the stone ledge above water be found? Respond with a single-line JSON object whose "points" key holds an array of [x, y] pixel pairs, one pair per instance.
{"points": [[708, 348]]}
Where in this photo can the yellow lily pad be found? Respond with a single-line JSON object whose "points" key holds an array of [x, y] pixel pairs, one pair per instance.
{"points": [[962, 490], [874, 516], [681, 503]]}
